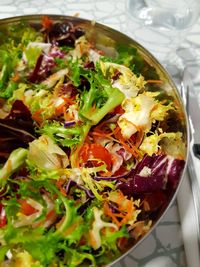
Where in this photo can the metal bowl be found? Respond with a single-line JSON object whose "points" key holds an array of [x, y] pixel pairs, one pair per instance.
{"points": [[106, 39]]}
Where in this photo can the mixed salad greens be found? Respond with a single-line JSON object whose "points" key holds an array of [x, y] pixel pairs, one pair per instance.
{"points": [[91, 147]]}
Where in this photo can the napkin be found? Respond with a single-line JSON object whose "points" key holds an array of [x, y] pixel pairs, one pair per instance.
{"points": [[188, 218]]}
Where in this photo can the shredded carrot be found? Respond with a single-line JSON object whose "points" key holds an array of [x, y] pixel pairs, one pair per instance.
{"points": [[59, 109], [66, 115], [69, 101], [16, 78], [59, 184], [92, 239], [81, 47], [116, 135], [51, 214], [109, 213], [127, 144], [155, 81], [37, 116], [116, 130], [101, 134], [71, 228], [111, 229], [124, 210], [65, 105], [84, 151]]}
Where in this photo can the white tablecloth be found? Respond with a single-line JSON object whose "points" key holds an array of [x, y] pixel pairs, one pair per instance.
{"points": [[164, 247]]}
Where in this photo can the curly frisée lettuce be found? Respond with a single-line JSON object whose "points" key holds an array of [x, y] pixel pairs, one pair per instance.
{"points": [[90, 148], [140, 112]]}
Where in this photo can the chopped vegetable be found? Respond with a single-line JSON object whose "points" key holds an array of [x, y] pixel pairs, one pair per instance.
{"points": [[91, 146], [13, 163], [46, 155]]}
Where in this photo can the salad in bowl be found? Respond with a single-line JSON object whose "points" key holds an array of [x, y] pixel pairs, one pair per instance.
{"points": [[93, 142]]}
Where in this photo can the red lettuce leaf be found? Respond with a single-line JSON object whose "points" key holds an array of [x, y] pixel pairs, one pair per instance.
{"points": [[153, 173], [64, 34], [34, 76], [16, 130]]}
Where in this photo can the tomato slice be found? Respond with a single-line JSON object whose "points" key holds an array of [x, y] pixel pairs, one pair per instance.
{"points": [[84, 153], [95, 151], [26, 208], [3, 220]]}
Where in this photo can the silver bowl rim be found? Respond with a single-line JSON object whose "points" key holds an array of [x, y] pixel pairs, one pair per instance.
{"points": [[154, 62]]}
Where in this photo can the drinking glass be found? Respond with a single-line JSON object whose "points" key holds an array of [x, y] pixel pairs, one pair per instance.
{"points": [[161, 25]]}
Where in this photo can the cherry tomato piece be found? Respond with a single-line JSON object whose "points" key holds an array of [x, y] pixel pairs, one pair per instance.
{"points": [[96, 151], [26, 208]]}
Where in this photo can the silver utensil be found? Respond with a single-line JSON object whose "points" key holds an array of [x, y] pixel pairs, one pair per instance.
{"points": [[192, 107], [193, 110]]}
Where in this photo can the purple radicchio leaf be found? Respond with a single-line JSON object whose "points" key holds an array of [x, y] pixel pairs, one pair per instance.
{"points": [[65, 34], [35, 73], [153, 173], [16, 130], [174, 171]]}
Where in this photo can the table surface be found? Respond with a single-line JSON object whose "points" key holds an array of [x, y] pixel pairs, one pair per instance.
{"points": [[164, 246]]}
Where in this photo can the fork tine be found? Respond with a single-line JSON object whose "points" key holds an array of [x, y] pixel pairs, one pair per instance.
{"points": [[185, 97], [190, 166], [185, 93]]}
